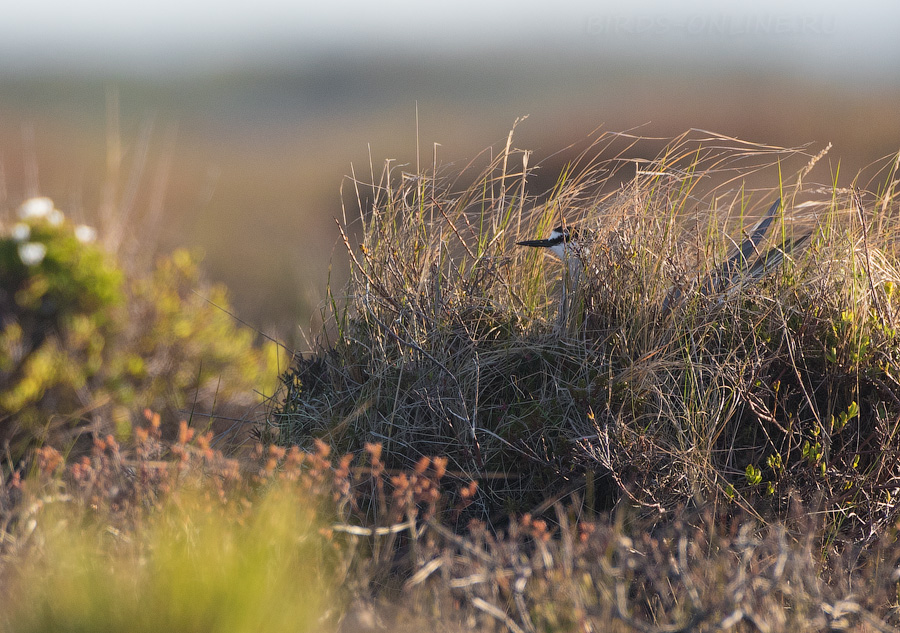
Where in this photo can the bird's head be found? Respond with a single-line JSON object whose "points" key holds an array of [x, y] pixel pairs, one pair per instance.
{"points": [[558, 243]]}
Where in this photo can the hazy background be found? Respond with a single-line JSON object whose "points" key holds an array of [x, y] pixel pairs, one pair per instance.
{"points": [[239, 121]]}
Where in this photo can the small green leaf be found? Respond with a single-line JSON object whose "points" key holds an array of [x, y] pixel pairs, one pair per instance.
{"points": [[753, 475]]}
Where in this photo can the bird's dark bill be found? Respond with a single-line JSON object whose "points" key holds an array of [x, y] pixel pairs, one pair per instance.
{"points": [[541, 243]]}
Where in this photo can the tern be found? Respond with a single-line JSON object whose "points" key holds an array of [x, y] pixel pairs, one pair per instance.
{"points": [[566, 241]]}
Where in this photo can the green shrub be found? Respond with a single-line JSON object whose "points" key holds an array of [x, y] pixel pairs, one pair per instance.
{"points": [[85, 347]]}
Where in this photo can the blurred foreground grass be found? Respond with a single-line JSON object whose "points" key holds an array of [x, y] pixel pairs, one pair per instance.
{"points": [[152, 535], [185, 545], [189, 566]]}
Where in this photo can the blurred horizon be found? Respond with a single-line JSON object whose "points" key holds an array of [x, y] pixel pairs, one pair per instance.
{"points": [[262, 109]]}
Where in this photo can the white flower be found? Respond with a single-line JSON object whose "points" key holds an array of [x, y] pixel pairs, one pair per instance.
{"points": [[55, 217], [85, 234], [32, 253], [36, 208], [20, 232]]}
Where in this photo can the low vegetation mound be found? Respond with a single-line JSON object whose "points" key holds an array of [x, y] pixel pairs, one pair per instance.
{"points": [[637, 376]]}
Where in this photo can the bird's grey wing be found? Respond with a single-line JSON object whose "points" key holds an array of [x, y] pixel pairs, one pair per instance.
{"points": [[728, 272], [741, 259], [775, 256], [738, 262]]}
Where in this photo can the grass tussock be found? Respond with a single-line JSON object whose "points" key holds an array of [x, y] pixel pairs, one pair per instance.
{"points": [[645, 379]]}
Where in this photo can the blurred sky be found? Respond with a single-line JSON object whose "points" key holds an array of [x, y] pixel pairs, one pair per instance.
{"points": [[822, 36]]}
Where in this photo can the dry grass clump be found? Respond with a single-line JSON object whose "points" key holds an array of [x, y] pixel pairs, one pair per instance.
{"points": [[654, 381]]}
